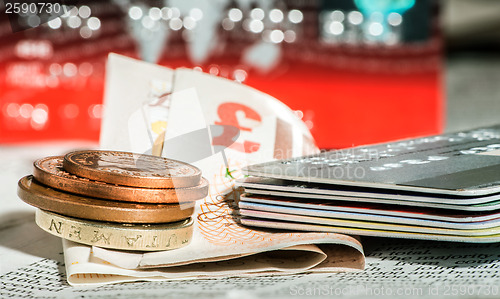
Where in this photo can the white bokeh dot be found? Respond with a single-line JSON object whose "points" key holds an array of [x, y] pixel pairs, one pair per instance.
{"points": [[295, 16], [276, 15], [256, 26], [235, 15], [135, 13], [94, 23], [84, 11], [376, 29], [257, 14], [55, 23], [277, 36]]}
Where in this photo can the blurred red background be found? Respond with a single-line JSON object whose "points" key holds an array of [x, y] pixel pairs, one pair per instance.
{"points": [[350, 83]]}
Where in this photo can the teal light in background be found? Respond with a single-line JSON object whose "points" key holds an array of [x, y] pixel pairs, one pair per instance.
{"points": [[385, 7], [379, 13]]}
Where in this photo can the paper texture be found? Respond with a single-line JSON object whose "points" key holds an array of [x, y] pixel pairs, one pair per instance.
{"points": [[220, 126]]}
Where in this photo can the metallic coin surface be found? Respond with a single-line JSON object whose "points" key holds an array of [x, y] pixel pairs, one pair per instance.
{"points": [[129, 169], [144, 237], [50, 171], [72, 205]]}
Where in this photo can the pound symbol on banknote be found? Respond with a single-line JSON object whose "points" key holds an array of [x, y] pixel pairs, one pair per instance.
{"points": [[235, 117], [200, 144]]}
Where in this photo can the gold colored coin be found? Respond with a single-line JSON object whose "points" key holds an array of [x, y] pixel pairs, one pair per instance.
{"points": [[72, 205], [144, 237], [129, 169], [50, 171]]}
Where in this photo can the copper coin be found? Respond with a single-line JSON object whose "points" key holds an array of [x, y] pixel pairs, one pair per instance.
{"points": [[129, 169], [68, 204], [50, 171]]}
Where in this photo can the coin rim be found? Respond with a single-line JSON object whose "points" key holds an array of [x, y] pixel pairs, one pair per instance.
{"points": [[100, 209], [128, 180], [116, 192], [162, 231]]}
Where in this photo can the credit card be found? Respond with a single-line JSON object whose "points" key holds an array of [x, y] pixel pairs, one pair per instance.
{"points": [[465, 163], [287, 225], [253, 184], [273, 203], [371, 224], [358, 215], [488, 206]]}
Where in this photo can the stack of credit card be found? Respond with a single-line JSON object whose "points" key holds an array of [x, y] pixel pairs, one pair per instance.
{"points": [[444, 187]]}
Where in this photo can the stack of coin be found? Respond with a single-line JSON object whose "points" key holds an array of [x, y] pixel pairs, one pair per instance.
{"points": [[116, 200]]}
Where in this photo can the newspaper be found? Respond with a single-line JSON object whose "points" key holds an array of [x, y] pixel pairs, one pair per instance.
{"points": [[394, 268], [220, 126]]}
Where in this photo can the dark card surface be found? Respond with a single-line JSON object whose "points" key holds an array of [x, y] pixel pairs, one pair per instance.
{"points": [[464, 164]]}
